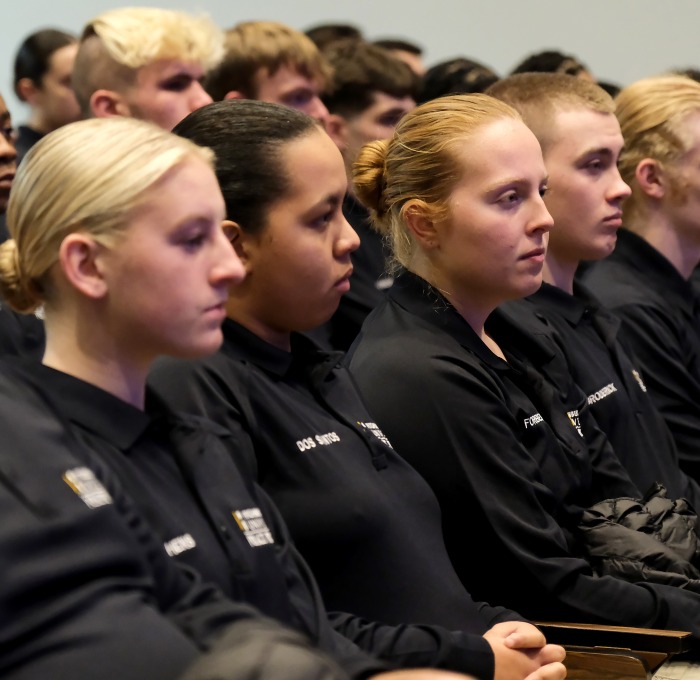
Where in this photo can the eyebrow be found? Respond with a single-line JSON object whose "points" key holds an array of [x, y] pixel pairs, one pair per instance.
{"points": [[502, 185]]}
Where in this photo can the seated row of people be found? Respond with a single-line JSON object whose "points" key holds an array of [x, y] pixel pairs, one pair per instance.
{"points": [[293, 417]]}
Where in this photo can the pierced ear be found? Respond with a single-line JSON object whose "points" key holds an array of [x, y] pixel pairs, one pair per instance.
{"points": [[419, 219], [106, 103], [79, 258], [651, 178], [234, 94], [337, 129]]}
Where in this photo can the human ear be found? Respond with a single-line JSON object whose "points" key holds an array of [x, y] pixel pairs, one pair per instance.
{"points": [[651, 178], [27, 90], [337, 129], [237, 238], [420, 221], [107, 103], [79, 258]]}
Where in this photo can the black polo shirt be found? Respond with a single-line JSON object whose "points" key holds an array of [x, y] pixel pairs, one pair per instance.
{"points": [[183, 474], [86, 591], [366, 522], [660, 316], [587, 336], [503, 452], [21, 335]]}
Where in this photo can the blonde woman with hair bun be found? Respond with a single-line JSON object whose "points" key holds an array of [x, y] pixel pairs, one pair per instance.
{"points": [[458, 192]]}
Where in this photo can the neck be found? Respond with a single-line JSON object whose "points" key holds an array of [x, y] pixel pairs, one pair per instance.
{"points": [[252, 320], [559, 272], [473, 308], [680, 250], [86, 350]]}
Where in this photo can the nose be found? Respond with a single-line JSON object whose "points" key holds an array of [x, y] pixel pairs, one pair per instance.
{"points": [[348, 241], [227, 270], [619, 189], [317, 110], [199, 97], [541, 219]]}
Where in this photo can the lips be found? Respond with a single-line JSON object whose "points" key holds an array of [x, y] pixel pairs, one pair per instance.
{"points": [[6, 179], [535, 253], [343, 283], [613, 220]]}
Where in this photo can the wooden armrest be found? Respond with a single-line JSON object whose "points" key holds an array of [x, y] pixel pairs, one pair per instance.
{"points": [[593, 635]]}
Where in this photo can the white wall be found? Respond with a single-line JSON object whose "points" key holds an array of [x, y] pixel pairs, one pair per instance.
{"points": [[620, 40]]}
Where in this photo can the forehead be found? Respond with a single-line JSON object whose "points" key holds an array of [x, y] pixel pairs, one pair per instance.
{"points": [[284, 79], [503, 150], [61, 61], [574, 131], [313, 166], [168, 68]]}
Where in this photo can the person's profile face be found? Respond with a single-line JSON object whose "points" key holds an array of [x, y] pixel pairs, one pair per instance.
{"points": [[491, 246], [377, 121], [586, 190], [54, 97], [8, 155], [169, 273], [289, 87], [299, 264], [167, 91]]}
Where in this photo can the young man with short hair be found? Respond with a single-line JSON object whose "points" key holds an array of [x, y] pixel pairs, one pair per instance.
{"points": [[646, 282], [271, 62], [372, 90], [146, 63], [581, 141]]}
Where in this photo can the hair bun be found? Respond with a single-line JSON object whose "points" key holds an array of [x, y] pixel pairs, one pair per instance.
{"points": [[369, 177], [19, 294]]}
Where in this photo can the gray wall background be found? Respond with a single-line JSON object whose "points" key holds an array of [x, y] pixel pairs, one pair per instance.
{"points": [[620, 40]]}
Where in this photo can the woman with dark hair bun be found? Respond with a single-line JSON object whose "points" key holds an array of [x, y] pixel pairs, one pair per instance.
{"points": [[366, 522]]}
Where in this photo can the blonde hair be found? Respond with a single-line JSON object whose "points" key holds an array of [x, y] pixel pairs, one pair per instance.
{"points": [[88, 176], [115, 44], [254, 45], [420, 163], [652, 115], [538, 97]]}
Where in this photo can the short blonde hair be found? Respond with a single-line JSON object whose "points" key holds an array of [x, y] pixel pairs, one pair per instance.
{"points": [[254, 45], [652, 114], [115, 44], [420, 163], [89, 177], [538, 97]]}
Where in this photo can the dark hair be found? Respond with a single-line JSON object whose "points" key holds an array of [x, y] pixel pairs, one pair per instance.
{"points": [[399, 44], [550, 61], [326, 34], [32, 59], [359, 70], [247, 137], [456, 76], [688, 73]]}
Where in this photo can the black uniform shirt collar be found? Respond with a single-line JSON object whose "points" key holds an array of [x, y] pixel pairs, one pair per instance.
{"points": [[564, 304], [420, 298], [635, 252], [90, 407], [239, 342]]}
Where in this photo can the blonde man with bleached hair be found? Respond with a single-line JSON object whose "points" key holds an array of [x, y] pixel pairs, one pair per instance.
{"points": [[647, 280], [145, 63], [271, 62]]}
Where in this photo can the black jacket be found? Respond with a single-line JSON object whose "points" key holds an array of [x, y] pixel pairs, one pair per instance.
{"points": [[86, 590], [588, 337], [660, 317], [504, 452]]}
